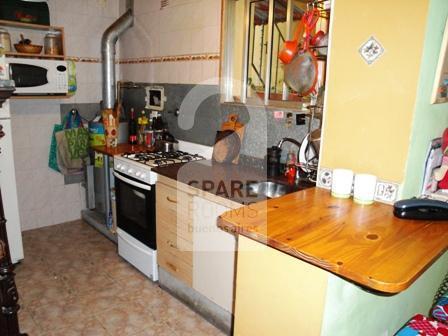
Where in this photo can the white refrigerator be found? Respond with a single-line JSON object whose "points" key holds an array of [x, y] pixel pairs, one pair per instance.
{"points": [[8, 187]]}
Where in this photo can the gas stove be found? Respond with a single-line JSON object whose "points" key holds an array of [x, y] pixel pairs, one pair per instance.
{"points": [[161, 159], [138, 164]]}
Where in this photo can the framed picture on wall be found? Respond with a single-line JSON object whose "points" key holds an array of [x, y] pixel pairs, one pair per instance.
{"points": [[440, 90]]}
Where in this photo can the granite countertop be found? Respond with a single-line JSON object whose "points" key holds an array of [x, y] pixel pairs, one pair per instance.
{"points": [[224, 180], [363, 244]]}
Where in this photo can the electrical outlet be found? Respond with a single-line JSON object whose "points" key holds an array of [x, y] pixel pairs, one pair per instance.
{"points": [[279, 115], [300, 119]]}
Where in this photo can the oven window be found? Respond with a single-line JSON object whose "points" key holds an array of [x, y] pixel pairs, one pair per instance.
{"points": [[136, 212]]}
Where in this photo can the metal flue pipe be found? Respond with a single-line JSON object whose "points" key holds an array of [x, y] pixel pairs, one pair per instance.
{"points": [[108, 43]]}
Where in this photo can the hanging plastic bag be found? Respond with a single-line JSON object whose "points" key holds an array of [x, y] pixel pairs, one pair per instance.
{"points": [[70, 145], [52, 157], [77, 136]]}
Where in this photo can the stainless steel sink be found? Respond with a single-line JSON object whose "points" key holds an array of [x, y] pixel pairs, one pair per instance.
{"points": [[268, 189]]}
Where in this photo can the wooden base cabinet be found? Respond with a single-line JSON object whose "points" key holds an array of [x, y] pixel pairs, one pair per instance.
{"points": [[190, 246], [174, 232]]}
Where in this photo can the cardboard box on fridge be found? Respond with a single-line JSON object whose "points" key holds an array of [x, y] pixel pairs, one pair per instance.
{"points": [[96, 134]]}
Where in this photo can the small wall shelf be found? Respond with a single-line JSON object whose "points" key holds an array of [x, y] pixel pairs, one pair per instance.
{"points": [[38, 31], [67, 96], [40, 56]]}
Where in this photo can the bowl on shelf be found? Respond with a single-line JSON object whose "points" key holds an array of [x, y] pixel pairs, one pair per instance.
{"points": [[28, 48]]}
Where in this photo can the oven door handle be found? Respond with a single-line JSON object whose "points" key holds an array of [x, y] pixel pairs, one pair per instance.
{"points": [[133, 183]]}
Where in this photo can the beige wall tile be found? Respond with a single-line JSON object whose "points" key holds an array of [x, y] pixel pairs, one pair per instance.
{"points": [[210, 73], [184, 27]]}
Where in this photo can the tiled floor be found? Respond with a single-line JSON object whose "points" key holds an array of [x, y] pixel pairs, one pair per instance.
{"points": [[72, 282]]}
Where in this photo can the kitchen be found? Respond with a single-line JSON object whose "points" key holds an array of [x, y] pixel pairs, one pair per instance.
{"points": [[194, 61]]}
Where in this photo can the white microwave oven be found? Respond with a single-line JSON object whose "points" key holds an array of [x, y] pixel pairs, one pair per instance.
{"points": [[38, 77]]}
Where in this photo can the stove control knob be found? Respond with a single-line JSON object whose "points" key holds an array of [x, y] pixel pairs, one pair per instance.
{"points": [[131, 171], [119, 166], [123, 168], [138, 174], [143, 176]]}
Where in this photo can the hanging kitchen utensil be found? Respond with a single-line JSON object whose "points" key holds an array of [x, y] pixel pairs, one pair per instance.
{"points": [[290, 48], [320, 43], [301, 73], [309, 20], [305, 25]]}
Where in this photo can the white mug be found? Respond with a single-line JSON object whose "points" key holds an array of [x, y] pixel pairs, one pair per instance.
{"points": [[342, 182], [364, 190]]}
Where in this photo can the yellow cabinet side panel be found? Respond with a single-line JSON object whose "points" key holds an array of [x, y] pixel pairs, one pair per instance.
{"points": [[277, 294]]}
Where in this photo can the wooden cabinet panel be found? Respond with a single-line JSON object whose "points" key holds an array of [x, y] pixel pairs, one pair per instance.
{"points": [[174, 264], [174, 232], [174, 210]]}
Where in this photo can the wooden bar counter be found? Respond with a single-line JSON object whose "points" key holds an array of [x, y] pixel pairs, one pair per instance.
{"points": [[120, 149], [366, 245]]}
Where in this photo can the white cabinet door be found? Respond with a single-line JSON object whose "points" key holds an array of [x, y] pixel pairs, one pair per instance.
{"points": [[214, 255], [9, 193]]}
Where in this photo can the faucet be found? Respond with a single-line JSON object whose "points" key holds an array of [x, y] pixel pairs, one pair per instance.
{"points": [[295, 142], [298, 144]]}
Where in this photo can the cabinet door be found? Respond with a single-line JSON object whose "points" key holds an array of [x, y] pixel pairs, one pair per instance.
{"points": [[174, 232], [214, 255]]}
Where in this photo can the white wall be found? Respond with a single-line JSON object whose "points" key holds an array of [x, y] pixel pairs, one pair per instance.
{"points": [[43, 198], [184, 27]]}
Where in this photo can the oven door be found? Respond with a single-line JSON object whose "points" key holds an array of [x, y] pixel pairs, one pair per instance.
{"points": [[136, 209]]}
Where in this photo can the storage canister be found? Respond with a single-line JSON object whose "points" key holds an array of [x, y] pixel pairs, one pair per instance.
{"points": [[5, 40], [52, 43]]}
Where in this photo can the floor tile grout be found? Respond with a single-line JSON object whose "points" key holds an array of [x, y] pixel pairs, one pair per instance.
{"points": [[71, 273]]}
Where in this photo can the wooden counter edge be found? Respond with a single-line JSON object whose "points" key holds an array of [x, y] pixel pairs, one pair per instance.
{"points": [[356, 278], [120, 149]]}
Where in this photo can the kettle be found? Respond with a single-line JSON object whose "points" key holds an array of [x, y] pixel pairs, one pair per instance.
{"points": [[166, 142]]}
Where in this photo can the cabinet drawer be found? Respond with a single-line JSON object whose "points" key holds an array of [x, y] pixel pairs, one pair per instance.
{"points": [[168, 196], [173, 239], [174, 211], [174, 232], [169, 220], [176, 266]]}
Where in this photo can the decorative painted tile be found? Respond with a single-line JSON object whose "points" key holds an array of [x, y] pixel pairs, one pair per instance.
{"points": [[386, 192], [371, 50], [324, 178]]}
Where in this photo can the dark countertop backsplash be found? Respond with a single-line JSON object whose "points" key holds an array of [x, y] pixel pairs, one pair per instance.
{"points": [[185, 97], [262, 129]]}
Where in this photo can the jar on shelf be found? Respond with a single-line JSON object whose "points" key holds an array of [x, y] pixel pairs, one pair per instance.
{"points": [[5, 40], [52, 43]]}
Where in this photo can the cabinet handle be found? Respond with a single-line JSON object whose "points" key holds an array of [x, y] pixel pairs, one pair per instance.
{"points": [[170, 265], [170, 244], [170, 200]]}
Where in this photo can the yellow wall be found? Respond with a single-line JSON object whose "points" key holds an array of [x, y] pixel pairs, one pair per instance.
{"points": [[277, 294], [369, 109]]}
